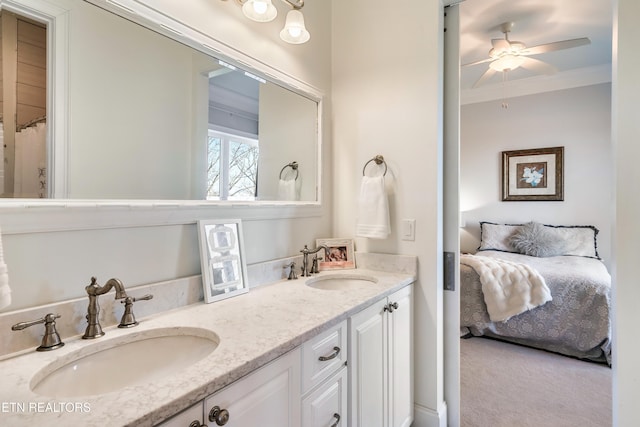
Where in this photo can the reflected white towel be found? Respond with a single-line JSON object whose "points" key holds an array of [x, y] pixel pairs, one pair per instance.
{"points": [[373, 209], [5, 291], [287, 189]]}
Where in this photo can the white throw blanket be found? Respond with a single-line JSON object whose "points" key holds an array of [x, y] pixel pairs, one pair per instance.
{"points": [[373, 209], [509, 288]]}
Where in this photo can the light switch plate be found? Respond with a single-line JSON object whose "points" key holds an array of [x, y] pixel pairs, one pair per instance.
{"points": [[409, 229]]}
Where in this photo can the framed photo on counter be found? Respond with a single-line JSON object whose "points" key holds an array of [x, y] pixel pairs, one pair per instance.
{"points": [[340, 254]]}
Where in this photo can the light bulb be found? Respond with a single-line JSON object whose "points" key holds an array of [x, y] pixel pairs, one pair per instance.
{"points": [[295, 32], [259, 10], [260, 7]]}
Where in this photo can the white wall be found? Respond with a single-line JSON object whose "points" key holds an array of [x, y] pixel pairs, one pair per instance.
{"points": [[386, 94], [578, 119], [53, 266], [626, 128], [284, 135]]}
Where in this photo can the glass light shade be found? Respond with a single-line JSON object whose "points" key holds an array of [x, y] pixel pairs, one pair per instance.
{"points": [[294, 31], [507, 62], [259, 10]]}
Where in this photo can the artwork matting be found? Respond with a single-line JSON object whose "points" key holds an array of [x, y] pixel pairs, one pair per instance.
{"points": [[533, 175]]}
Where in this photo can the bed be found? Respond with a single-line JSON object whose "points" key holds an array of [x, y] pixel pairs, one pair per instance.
{"points": [[575, 320]]}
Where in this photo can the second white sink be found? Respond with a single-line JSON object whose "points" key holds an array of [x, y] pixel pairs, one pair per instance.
{"points": [[334, 282], [132, 359]]}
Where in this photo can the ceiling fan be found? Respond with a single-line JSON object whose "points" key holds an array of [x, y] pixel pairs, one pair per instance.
{"points": [[506, 55]]}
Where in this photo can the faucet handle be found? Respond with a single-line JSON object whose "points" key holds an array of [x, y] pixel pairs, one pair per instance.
{"points": [[128, 319], [314, 265], [292, 271], [51, 339]]}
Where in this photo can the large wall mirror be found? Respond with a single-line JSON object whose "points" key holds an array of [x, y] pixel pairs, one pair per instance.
{"points": [[152, 118]]}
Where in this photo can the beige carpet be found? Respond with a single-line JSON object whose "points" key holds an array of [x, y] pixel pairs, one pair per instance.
{"points": [[507, 385]]}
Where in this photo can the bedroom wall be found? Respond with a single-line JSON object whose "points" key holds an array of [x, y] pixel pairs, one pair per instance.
{"points": [[578, 119]]}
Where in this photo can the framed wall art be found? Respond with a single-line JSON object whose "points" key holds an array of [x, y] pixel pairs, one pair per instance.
{"points": [[224, 270], [340, 254], [533, 175]]}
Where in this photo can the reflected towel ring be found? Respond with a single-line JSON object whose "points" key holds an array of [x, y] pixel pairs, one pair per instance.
{"points": [[292, 165], [379, 160]]}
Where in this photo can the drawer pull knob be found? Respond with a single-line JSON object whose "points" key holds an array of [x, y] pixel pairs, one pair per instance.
{"points": [[392, 306], [196, 423], [333, 355], [337, 417], [218, 415]]}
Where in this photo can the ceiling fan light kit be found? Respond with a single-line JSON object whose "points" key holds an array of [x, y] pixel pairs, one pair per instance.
{"points": [[506, 55]]}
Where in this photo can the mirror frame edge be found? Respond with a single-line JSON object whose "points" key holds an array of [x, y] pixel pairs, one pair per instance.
{"points": [[22, 215]]}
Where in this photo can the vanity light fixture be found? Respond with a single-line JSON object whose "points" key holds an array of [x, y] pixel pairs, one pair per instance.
{"points": [[294, 30]]}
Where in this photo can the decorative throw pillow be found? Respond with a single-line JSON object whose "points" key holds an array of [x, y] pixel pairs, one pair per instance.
{"points": [[535, 239], [495, 237]]}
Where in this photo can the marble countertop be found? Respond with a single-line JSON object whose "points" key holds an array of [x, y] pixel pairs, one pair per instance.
{"points": [[253, 328]]}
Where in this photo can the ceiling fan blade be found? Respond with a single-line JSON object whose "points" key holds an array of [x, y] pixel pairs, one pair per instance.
{"points": [[482, 61], [486, 76], [538, 66], [550, 47]]}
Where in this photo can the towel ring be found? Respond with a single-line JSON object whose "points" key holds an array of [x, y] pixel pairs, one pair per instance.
{"points": [[292, 165], [379, 160]]}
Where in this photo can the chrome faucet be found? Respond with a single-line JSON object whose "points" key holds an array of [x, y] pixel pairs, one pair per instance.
{"points": [[94, 330], [305, 258]]}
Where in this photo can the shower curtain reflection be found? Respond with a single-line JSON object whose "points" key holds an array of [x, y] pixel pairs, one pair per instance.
{"points": [[30, 180]]}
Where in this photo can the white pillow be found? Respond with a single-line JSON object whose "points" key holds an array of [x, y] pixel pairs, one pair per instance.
{"points": [[579, 240], [495, 237]]}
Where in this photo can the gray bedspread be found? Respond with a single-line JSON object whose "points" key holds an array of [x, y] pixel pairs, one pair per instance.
{"points": [[576, 322]]}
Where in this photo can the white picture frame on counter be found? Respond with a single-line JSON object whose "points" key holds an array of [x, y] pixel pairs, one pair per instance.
{"points": [[340, 255], [224, 270]]}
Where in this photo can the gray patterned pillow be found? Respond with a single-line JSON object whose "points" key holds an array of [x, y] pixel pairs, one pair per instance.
{"points": [[534, 239]]}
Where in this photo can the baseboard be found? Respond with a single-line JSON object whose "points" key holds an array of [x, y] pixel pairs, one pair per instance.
{"points": [[427, 417]]}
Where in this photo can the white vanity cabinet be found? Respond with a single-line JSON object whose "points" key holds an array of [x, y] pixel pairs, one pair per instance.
{"points": [[357, 373], [381, 363], [325, 379], [268, 397]]}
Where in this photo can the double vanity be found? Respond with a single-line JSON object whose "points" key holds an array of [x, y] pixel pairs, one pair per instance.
{"points": [[331, 349]]}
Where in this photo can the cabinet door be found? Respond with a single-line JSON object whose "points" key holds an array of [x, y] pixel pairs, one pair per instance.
{"points": [[368, 359], [268, 397], [326, 406], [400, 322], [186, 417]]}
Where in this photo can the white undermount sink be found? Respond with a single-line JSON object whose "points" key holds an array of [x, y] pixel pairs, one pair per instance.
{"points": [[334, 282], [131, 359]]}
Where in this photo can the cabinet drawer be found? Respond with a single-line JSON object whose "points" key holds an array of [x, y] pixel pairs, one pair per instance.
{"points": [[186, 417], [327, 405], [323, 355]]}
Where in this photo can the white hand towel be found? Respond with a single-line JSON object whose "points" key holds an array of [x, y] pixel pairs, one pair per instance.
{"points": [[373, 209], [287, 189], [5, 291]]}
